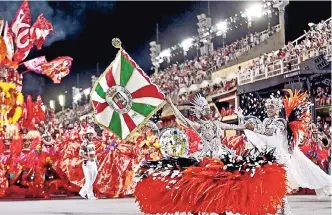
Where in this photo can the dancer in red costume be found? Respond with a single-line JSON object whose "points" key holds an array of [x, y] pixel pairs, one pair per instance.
{"points": [[9, 149], [27, 174], [32, 113], [115, 157], [55, 180], [27, 116], [69, 161], [117, 160], [38, 112]]}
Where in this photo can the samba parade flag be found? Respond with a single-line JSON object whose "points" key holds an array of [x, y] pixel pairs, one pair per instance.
{"points": [[55, 69], [124, 97]]}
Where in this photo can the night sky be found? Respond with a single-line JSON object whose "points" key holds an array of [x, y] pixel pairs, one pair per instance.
{"points": [[84, 31]]}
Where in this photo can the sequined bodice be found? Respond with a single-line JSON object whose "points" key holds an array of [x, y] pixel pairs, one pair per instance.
{"points": [[209, 130], [273, 126]]}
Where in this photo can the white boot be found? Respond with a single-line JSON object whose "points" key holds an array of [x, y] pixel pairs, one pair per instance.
{"points": [[285, 207]]}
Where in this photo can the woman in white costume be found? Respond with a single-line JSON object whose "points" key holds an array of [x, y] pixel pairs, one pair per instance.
{"points": [[283, 135]]}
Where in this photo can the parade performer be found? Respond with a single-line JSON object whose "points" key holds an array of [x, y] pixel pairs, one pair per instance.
{"points": [[88, 154], [216, 180], [56, 181], [27, 174], [283, 135], [9, 149], [69, 160], [114, 158]]}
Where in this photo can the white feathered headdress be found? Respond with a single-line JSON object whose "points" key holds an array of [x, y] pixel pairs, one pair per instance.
{"points": [[277, 102], [200, 105]]}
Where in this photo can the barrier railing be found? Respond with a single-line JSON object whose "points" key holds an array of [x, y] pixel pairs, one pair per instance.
{"points": [[282, 66], [286, 65]]}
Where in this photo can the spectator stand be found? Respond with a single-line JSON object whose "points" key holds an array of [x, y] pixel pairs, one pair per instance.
{"points": [[195, 71], [322, 98], [315, 42]]}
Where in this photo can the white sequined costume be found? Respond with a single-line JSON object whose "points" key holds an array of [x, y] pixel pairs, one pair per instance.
{"points": [[301, 172], [210, 130]]}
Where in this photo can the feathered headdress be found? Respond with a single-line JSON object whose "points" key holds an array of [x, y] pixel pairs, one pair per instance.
{"points": [[276, 101], [297, 114], [200, 105]]}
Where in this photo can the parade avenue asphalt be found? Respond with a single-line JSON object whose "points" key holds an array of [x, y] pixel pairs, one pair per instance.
{"points": [[300, 205]]}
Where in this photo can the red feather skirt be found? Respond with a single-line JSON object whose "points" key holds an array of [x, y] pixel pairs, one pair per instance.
{"points": [[207, 188]]}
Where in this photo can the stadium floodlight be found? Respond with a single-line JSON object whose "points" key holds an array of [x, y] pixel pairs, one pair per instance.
{"points": [[62, 101], [255, 11], [52, 104], [187, 43], [165, 53], [222, 26]]}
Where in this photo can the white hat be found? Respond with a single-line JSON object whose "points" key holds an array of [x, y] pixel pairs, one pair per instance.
{"points": [[90, 130]]}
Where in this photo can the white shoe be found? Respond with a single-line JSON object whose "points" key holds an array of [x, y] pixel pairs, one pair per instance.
{"points": [[92, 198], [82, 195]]}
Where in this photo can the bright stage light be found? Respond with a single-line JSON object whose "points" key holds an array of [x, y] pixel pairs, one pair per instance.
{"points": [[165, 53], [187, 43], [222, 26], [52, 104], [62, 100], [255, 11]]}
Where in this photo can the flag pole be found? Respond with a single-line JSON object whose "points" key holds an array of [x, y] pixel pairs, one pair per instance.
{"points": [[26, 71], [116, 42]]}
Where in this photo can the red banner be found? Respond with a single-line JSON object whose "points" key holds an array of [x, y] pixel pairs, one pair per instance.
{"points": [[9, 42], [35, 64], [39, 31], [20, 30], [57, 68]]}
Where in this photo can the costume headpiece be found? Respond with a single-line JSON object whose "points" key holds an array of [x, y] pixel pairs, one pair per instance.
{"points": [[46, 134], [200, 106], [277, 102], [90, 130], [47, 138]]}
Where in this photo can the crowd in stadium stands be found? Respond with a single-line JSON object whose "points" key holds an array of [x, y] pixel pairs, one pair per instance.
{"points": [[313, 44], [213, 89], [195, 71], [68, 116], [323, 96]]}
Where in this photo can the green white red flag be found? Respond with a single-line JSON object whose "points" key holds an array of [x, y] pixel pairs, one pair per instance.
{"points": [[123, 97]]}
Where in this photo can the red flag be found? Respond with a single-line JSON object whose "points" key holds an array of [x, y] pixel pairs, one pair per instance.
{"points": [[39, 31], [20, 29], [57, 68], [9, 42], [35, 64]]}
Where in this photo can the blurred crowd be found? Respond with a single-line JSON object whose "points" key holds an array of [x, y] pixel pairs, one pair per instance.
{"points": [[194, 71], [211, 89], [322, 96], [69, 116], [315, 42]]}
